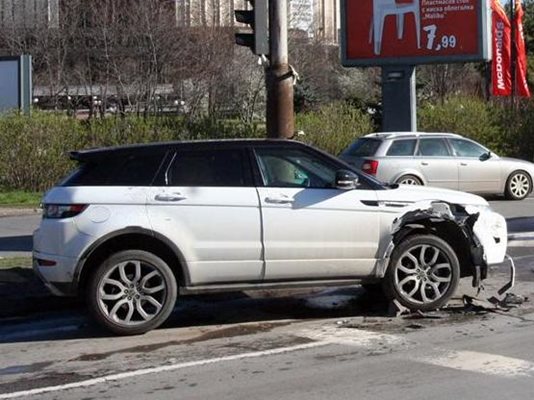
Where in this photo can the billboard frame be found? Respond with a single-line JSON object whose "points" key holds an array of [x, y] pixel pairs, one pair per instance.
{"points": [[483, 54]]}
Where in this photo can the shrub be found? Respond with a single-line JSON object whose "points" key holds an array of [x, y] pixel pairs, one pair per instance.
{"points": [[32, 149], [333, 127], [470, 117]]}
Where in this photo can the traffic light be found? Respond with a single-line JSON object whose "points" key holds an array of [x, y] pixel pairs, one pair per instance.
{"points": [[258, 19]]}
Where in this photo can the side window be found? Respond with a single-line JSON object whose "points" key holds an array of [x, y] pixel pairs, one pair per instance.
{"points": [[294, 168], [402, 148], [465, 148], [433, 148], [138, 170], [207, 168]]}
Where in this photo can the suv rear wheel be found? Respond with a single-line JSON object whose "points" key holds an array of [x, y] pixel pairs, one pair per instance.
{"points": [[423, 273], [132, 292]]}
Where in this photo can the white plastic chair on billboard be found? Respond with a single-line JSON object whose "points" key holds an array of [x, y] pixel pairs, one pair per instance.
{"points": [[384, 8]]}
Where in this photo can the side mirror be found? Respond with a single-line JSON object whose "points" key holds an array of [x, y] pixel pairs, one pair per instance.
{"points": [[485, 156], [346, 180]]}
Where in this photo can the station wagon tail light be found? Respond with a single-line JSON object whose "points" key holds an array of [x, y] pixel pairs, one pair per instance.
{"points": [[370, 167], [58, 211]]}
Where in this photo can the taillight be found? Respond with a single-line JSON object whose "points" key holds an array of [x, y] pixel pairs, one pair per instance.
{"points": [[57, 211], [370, 167]]}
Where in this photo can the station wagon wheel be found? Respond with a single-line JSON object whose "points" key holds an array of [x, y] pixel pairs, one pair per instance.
{"points": [[409, 180], [423, 273], [518, 186], [132, 292]]}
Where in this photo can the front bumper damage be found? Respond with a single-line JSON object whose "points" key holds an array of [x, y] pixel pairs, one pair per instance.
{"points": [[478, 234]]}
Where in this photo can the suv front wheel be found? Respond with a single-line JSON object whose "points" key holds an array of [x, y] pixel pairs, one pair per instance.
{"points": [[423, 273], [132, 292]]}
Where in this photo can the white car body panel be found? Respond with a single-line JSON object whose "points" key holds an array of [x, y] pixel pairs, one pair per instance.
{"points": [[217, 229], [318, 233]]}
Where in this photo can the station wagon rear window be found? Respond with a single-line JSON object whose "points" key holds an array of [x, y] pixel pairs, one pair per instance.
{"points": [[363, 147]]}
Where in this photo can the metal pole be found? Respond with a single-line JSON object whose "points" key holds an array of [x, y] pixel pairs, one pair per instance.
{"points": [[280, 118]]}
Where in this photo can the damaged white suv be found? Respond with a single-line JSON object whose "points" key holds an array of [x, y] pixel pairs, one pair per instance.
{"points": [[135, 226]]}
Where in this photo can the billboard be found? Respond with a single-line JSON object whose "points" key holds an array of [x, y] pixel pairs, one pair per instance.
{"points": [[410, 32], [15, 83]]}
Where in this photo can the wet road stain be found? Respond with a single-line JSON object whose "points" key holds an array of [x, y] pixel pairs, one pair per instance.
{"points": [[25, 369], [239, 330]]}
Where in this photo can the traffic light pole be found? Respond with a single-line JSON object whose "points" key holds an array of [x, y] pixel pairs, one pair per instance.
{"points": [[279, 77]]}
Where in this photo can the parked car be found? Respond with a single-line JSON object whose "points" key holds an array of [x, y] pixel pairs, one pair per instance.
{"points": [[440, 159], [134, 226]]}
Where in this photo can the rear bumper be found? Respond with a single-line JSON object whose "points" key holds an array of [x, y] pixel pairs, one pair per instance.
{"points": [[58, 278]]}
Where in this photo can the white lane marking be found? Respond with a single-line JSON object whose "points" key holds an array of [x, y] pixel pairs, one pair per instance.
{"points": [[489, 364], [521, 243], [484, 363], [351, 337], [163, 368]]}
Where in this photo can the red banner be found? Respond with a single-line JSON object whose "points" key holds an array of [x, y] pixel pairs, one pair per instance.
{"points": [[502, 51], [521, 64]]}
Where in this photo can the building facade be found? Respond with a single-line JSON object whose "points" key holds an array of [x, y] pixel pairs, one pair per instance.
{"points": [[316, 18], [29, 13]]}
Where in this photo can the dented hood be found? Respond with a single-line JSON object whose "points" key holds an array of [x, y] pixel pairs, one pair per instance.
{"points": [[412, 194]]}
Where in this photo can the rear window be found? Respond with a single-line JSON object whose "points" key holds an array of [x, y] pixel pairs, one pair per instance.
{"points": [[363, 147], [127, 170]]}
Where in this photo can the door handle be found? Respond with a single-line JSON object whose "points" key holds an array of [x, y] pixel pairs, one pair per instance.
{"points": [[170, 197], [424, 163], [463, 164], [279, 200]]}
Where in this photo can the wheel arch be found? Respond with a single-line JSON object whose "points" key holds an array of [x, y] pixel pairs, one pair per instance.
{"points": [[130, 238], [415, 173], [450, 233]]}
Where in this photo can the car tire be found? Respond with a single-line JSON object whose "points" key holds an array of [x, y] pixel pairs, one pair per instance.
{"points": [[409, 180], [132, 292], [518, 185], [423, 273]]}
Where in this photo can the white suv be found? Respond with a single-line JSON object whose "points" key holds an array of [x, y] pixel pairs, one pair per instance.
{"points": [[132, 227]]}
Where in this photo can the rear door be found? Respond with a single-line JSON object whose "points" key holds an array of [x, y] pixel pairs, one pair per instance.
{"points": [[436, 162], [208, 206], [311, 230]]}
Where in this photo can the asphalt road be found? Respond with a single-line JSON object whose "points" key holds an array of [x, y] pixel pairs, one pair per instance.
{"points": [[331, 343]]}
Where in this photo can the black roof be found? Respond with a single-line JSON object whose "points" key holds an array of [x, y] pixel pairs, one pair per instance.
{"points": [[185, 145]]}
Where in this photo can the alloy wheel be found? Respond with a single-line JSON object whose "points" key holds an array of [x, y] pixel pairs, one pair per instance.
{"points": [[132, 293], [423, 274]]}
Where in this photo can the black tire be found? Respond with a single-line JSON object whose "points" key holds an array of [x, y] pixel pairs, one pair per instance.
{"points": [[518, 185], [409, 180], [153, 288], [423, 277]]}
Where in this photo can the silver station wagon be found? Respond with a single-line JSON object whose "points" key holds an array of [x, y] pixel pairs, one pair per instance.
{"points": [[440, 159]]}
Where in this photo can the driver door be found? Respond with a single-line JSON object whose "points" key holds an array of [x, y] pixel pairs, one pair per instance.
{"points": [[311, 230]]}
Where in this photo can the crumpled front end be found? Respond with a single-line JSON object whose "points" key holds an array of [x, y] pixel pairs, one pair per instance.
{"points": [[478, 235]]}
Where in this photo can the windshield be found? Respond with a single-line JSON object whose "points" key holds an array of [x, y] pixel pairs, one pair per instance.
{"points": [[363, 147]]}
